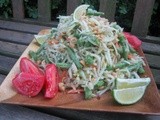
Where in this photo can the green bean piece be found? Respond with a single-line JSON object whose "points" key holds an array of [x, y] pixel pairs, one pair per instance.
{"points": [[87, 44], [131, 49], [32, 55], [80, 42], [125, 51], [93, 40], [121, 40], [134, 67], [89, 60], [120, 51], [120, 65], [87, 93], [109, 68], [63, 65], [141, 70], [72, 55], [93, 12], [76, 34], [46, 58], [73, 28], [40, 48], [99, 84]]}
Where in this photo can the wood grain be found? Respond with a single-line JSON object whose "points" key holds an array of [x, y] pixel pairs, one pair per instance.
{"points": [[151, 48], [150, 39], [71, 5], [109, 9], [7, 62], [76, 101], [91, 115], [12, 48], [21, 27], [156, 74], [142, 17], [2, 77], [13, 112], [153, 60], [16, 37], [44, 10], [18, 9]]}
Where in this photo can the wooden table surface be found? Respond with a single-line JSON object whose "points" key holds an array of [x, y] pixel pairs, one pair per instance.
{"points": [[14, 38]]}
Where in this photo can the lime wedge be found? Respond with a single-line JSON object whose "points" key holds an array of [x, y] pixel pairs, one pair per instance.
{"points": [[41, 38], [129, 96], [79, 11], [131, 83]]}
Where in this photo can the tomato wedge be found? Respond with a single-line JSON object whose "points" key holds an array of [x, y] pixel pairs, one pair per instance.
{"points": [[28, 84], [26, 65], [133, 40], [52, 80]]}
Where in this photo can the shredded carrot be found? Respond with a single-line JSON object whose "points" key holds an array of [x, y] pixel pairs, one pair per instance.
{"points": [[77, 91], [130, 56]]}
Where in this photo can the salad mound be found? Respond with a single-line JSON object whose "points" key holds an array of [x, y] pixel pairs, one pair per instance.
{"points": [[90, 53]]}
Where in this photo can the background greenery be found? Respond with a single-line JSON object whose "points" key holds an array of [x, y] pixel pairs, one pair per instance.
{"points": [[124, 12]]}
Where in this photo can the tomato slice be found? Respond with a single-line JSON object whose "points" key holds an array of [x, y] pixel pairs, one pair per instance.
{"points": [[26, 65], [28, 84], [52, 80], [133, 40]]}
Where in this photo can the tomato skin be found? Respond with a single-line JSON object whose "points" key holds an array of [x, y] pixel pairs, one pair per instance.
{"points": [[133, 40], [26, 65], [52, 80], [28, 84]]}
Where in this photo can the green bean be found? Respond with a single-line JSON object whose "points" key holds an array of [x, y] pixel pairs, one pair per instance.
{"points": [[121, 40], [63, 65], [72, 55], [120, 51], [120, 65], [89, 60], [134, 67], [131, 49], [32, 55], [99, 84], [125, 51], [109, 68], [87, 44], [80, 42], [76, 34], [40, 49], [93, 12], [141, 70], [87, 93], [93, 40]]}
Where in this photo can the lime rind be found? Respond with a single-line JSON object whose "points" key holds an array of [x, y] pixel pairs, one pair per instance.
{"points": [[79, 11], [131, 83], [130, 91], [129, 96], [41, 38]]}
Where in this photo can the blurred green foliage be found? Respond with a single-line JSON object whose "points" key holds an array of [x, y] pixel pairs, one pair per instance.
{"points": [[124, 13], [31, 9], [5, 8], [123, 16]]}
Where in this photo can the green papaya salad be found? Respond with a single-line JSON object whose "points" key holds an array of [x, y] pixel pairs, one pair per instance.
{"points": [[90, 53]]}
